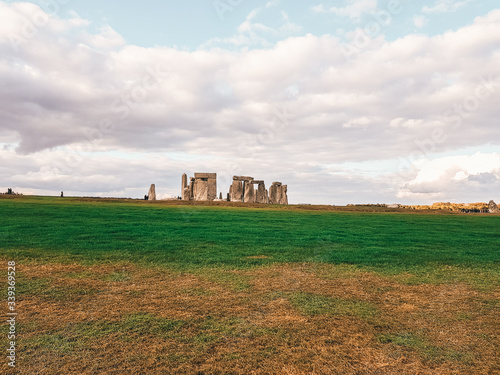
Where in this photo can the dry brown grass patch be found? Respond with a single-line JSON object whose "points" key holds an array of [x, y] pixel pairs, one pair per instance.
{"points": [[157, 321]]}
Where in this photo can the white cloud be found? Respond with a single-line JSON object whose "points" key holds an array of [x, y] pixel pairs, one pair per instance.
{"points": [[406, 123], [106, 39], [354, 9], [357, 122], [445, 176], [445, 6], [71, 99]]}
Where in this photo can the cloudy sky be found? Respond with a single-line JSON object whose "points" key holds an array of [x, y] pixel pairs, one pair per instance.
{"points": [[346, 101]]}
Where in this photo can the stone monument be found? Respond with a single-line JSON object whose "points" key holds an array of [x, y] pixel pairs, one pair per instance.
{"points": [[278, 193], [152, 193], [261, 195], [249, 195], [242, 189], [202, 187]]}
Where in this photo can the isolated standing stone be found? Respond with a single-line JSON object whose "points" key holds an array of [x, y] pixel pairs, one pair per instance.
{"points": [[493, 208], [152, 193]]}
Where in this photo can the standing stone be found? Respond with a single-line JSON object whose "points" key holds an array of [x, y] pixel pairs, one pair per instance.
{"points": [[184, 181], [272, 194], [200, 190], [220, 196], [261, 194], [212, 189], [191, 189], [186, 194], [284, 197], [185, 188], [211, 184], [236, 191], [249, 192], [275, 193], [493, 208], [152, 193]]}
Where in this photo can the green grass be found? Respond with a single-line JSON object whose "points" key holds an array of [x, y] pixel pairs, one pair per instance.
{"points": [[137, 326], [71, 337], [53, 342], [42, 229], [241, 287]]}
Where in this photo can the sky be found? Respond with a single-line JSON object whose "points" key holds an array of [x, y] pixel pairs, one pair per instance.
{"points": [[346, 101]]}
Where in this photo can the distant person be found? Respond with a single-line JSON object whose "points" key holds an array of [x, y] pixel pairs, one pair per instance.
{"points": [[146, 197], [62, 194]]}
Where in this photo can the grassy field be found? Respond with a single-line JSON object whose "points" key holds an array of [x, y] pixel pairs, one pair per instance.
{"points": [[115, 287]]}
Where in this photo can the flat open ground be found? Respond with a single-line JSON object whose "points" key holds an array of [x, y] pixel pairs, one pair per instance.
{"points": [[134, 287]]}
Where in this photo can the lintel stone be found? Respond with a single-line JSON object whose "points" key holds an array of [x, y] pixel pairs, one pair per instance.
{"points": [[242, 178], [205, 175]]}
